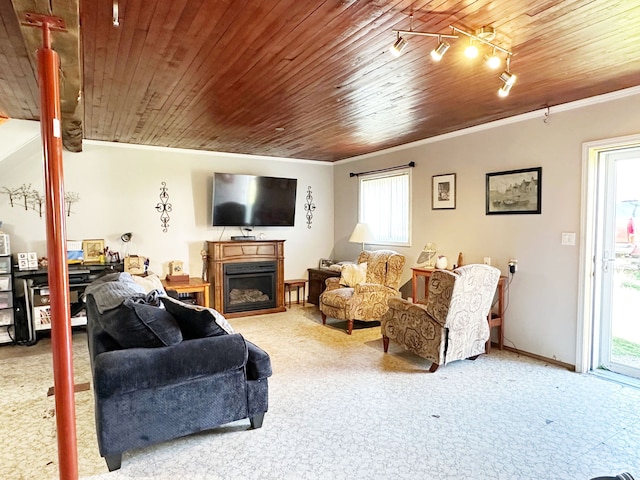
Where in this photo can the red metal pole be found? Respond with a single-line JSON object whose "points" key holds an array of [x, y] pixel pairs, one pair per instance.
{"points": [[61, 341]]}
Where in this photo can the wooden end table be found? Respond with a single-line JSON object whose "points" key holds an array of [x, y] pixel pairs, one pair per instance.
{"points": [[297, 283], [194, 285]]}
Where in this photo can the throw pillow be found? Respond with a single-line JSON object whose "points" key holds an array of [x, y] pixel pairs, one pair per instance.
{"points": [[136, 324], [196, 321], [353, 274]]}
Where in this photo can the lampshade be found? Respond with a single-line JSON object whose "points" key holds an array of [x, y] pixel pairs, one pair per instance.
{"points": [[361, 234]]}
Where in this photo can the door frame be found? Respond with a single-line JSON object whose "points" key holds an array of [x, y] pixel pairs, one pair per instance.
{"points": [[587, 337]]}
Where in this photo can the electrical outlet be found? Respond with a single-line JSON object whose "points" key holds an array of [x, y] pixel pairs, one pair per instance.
{"points": [[513, 265], [487, 260]]}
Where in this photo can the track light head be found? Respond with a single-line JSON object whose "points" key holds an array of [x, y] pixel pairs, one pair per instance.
{"points": [[438, 52], [493, 61], [508, 78], [398, 46], [504, 90], [471, 51]]}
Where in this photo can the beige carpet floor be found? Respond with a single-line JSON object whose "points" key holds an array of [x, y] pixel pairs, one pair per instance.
{"points": [[342, 409]]}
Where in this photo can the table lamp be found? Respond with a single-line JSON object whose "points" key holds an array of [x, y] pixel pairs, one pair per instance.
{"points": [[361, 234], [427, 255]]}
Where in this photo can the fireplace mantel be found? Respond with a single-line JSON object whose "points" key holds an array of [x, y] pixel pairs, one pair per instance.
{"points": [[221, 253]]}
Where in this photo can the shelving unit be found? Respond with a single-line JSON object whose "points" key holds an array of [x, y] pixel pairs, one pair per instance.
{"points": [[37, 294], [6, 290]]}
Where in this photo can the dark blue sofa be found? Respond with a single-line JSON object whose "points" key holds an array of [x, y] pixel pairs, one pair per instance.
{"points": [[144, 396]]}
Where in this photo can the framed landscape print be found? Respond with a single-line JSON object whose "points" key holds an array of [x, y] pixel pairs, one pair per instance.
{"points": [[514, 191], [443, 192]]}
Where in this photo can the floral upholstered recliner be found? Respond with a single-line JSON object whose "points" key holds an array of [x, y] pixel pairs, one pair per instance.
{"points": [[452, 324], [364, 300]]}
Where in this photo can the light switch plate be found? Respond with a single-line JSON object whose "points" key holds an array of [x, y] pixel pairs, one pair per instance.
{"points": [[568, 238]]}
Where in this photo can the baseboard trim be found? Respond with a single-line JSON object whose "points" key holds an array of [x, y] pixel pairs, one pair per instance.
{"points": [[568, 366]]}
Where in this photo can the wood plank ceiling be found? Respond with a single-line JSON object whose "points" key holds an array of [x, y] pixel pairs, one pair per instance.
{"points": [[313, 79]]}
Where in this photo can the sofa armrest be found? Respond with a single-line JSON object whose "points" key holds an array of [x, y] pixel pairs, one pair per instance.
{"points": [[258, 364], [122, 371], [417, 311]]}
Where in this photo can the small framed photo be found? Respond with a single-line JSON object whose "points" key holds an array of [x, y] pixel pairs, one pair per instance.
{"points": [[93, 250], [514, 191], [443, 193], [325, 263]]}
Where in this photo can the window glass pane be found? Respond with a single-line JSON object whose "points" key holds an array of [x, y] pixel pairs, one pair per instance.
{"points": [[384, 205]]}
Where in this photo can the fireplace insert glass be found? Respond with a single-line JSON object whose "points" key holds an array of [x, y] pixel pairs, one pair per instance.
{"points": [[249, 286]]}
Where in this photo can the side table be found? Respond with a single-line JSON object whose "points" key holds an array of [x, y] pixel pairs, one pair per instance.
{"points": [[194, 285], [317, 276], [297, 283]]}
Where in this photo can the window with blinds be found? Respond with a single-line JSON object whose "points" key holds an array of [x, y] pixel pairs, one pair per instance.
{"points": [[385, 200]]}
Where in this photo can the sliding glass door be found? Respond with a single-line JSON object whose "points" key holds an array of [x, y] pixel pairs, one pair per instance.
{"points": [[617, 347]]}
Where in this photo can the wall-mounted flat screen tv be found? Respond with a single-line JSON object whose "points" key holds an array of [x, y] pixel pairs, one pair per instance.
{"points": [[253, 201]]}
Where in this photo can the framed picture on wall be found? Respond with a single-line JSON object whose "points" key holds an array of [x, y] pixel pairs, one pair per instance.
{"points": [[443, 192], [514, 191]]}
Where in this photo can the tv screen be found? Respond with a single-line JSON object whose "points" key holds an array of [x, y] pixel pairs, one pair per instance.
{"points": [[253, 201]]}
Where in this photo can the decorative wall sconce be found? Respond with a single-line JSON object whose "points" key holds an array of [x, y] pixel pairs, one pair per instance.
{"points": [[309, 207], [164, 207], [482, 36]]}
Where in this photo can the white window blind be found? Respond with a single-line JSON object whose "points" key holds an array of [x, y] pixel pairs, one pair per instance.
{"points": [[385, 206]]}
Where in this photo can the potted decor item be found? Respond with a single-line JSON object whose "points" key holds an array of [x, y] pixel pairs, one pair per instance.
{"points": [[441, 262]]}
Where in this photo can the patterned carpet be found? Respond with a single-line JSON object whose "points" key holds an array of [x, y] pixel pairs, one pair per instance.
{"points": [[341, 409]]}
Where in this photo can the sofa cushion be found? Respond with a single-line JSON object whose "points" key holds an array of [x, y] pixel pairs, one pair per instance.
{"points": [[196, 321], [353, 274], [136, 324]]}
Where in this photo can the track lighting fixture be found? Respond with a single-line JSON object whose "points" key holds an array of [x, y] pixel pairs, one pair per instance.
{"points": [[398, 46], [471, 51], [479, 38], [508, 78], [438, 52], [116, 15], [493, 61]]}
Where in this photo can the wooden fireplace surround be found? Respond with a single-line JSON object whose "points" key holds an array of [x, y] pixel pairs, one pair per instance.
{"points": [[221, 253]]}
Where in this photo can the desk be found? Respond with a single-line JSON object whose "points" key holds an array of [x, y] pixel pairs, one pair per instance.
{"points": [[194, 285], [37, 295], [495, 319]]}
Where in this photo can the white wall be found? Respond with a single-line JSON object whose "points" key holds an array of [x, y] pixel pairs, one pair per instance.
{"points": [[542, 300], [119, 188]]}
